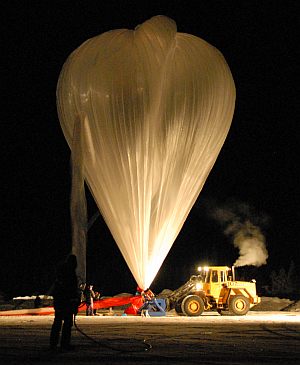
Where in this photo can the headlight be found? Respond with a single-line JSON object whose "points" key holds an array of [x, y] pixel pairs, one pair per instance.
{"points": [[203, 268], [199, 286]]}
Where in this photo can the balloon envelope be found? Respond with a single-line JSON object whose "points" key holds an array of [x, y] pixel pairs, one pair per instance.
{"points": [[154, 108]]}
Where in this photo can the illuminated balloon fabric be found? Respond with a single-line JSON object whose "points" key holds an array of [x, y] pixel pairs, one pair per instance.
{"points": [[155, 107]]}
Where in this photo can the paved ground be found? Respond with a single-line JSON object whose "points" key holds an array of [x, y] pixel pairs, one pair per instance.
{"points": [[258, 338]]}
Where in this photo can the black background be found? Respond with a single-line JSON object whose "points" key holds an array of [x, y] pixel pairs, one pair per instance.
{"points": [[257, 165]]}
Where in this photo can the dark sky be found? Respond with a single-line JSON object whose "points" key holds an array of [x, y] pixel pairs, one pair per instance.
{"points": [[257, 166]]}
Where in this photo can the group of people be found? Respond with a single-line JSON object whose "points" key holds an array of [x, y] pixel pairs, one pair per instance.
{"points": [[67, 297]]}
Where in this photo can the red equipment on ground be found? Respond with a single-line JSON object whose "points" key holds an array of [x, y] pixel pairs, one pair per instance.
{"points": [[135, 302]]}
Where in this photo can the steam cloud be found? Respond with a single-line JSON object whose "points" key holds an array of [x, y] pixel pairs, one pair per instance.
{"points": [[242, 225]]}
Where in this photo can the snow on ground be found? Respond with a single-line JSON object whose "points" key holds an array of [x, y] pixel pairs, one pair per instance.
{"points": [[257, 338], [268, 334]]}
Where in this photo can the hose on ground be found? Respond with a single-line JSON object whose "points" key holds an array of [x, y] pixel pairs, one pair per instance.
{"points": [[140, 346]]}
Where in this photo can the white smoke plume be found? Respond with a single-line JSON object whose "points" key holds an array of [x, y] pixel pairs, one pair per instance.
{"points": [[238, 220], [250, 241]]}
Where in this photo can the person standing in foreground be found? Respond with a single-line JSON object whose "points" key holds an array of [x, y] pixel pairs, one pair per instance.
{"points": [[66, 300]]}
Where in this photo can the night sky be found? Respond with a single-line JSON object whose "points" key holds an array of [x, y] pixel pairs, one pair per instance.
{"points": [[257, 167]]}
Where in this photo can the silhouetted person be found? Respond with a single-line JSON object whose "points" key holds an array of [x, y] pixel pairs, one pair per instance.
{"points": [[89, 300], [97, 297], [66, 300]]}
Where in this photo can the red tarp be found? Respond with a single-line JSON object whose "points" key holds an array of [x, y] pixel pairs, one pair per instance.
{"points": [[136, 302]]}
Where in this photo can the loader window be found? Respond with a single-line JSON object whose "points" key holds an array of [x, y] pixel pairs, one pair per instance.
{"points": [[214, 276], [222, 276], [207, 277]]}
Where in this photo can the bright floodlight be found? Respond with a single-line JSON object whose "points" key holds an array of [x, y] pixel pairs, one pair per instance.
{"points": [[145, 113], [199, 286]]}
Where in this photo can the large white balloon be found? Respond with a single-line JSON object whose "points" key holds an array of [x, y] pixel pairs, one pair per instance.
{"points": [[151, 109]]}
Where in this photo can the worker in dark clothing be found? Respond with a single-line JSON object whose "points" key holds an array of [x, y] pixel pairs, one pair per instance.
{"points": [[89, 299], [66, 297]]}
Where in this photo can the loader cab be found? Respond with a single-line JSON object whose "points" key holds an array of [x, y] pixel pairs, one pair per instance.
{"points": [[215, 278]]}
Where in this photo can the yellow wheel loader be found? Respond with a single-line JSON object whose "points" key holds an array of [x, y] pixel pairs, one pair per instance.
{"points": [[215, 288]]}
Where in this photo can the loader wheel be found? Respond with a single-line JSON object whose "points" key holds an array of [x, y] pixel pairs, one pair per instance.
{"points": [[192, 306], [239, 305]]}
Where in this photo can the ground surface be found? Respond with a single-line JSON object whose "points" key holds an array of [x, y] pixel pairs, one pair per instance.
{"points": [[257, 338]]}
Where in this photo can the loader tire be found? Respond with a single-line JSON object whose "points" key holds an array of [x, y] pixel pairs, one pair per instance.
{"points": [[239, 305], [192, 306]]}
